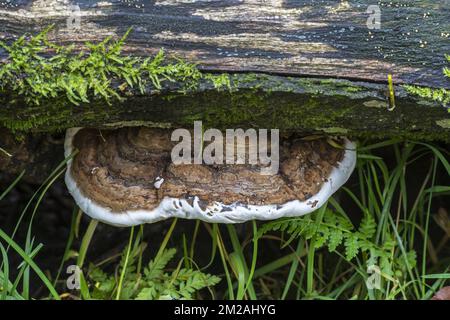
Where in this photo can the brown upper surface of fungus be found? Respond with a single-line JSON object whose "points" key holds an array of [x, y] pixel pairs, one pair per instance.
{"points": [[118, 169]]}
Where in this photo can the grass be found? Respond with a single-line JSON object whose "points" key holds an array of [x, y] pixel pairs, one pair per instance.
{"points": [[391, 217]]}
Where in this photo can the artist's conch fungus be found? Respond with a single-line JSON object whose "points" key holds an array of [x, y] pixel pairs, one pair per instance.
{"points": [[125, 177]]}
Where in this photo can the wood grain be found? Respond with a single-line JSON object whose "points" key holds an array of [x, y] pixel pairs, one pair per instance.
{"points": [[315, 38]]}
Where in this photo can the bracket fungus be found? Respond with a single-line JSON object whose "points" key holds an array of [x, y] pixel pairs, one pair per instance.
{"points": [[125, 177]]}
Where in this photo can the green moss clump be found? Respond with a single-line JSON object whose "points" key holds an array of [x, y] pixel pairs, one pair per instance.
{"points": [[439, 95], [101, 71]]}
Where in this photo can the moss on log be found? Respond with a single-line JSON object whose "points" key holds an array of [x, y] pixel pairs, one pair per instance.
{"points": [[325, 38], [309, 105]]}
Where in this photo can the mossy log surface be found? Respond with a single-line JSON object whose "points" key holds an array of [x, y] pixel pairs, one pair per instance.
{"points": [[306, 66], [262, 101], [282, 39]]}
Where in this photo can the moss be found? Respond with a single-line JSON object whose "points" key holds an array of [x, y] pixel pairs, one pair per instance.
{"points": [[343, 84], [257, 110], [330, 106], [55, 116], [376, 104], [100, 72], [137, 123], [299, 109], [334, 130], [440, 95]]}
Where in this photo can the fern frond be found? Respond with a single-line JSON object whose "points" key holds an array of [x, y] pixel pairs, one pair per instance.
{"points": [[336, 231], [156, 267], [367, 227]]}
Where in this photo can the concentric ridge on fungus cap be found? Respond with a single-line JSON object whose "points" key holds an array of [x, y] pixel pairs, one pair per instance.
{"points": [[126, 177]]}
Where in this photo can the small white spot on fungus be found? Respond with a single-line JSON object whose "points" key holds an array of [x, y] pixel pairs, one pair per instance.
{"points": [[159, 181]]}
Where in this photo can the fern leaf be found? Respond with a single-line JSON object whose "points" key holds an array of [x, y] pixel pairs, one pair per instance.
{"points": [[156, 267], [386, 265], [148, 293], [321, 236], [191, 281], [351, 246], [410, 263], [335, 239], [367, 227]]}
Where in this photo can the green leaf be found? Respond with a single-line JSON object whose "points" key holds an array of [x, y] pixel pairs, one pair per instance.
{"points": [[147, 294], [335, 239], [351, 246], [155, 268], [367, 227]]}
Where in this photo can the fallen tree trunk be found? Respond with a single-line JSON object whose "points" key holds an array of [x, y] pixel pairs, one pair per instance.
{"points": [[302, 38], [304, 66]]}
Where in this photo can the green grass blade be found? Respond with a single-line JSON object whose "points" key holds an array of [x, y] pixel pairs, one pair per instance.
{"points": [[124, 269], [30, 262]]}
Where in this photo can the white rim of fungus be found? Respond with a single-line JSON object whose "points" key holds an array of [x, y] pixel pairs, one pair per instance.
{"points": [[217, 212]]}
